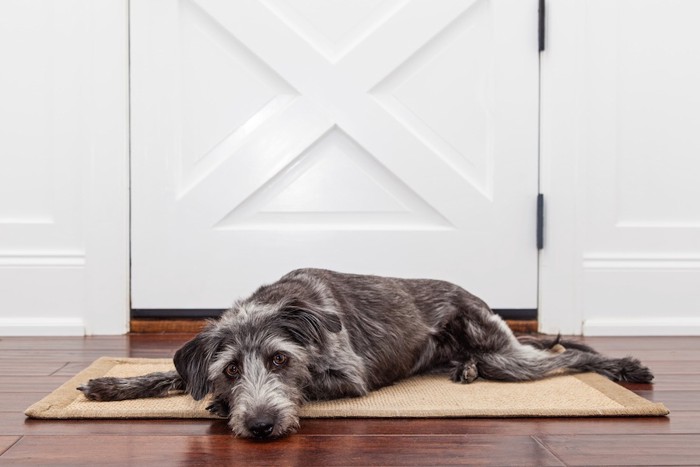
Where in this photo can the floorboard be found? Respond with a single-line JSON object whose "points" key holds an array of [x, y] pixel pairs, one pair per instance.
{"points": [[32, 367], [6, 442], [327, 450], [160, 325], [38, 384], [41, 368], [672, 367], [15, 423], [674, 400], [675, 449]]}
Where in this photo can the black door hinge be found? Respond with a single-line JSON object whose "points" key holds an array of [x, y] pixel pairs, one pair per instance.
{"points": [[540, 27], [540, 221]]}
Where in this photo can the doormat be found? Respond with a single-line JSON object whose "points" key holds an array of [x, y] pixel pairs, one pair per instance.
{"points": [[581, 395]]}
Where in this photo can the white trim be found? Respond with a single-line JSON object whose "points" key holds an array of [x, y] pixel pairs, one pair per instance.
{"points": [[25, 221], [684, 326], [40, 259], [561, 142], [42, 327], [640, 262], [657, 225], [106, 203]]}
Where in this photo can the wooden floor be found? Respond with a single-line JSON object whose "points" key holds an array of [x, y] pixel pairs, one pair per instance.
{"points": [[32, 367]]}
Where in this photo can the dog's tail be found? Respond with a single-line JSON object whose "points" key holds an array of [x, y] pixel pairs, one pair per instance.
{"points": [[525, 362], [137, 387]]}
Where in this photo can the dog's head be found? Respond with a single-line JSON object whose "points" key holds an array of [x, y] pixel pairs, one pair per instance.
{"points": [[255, 362]]}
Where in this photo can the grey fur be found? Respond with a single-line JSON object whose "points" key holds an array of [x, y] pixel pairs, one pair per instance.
{"points": [[318, 334]]}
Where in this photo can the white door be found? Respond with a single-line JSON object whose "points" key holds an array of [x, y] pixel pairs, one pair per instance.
{"points": [[390, 137]]}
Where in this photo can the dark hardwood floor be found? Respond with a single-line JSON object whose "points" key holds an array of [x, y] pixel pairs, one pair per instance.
{"points": [[32, 367]]}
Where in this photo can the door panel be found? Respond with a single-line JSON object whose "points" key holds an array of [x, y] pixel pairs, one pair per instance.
{"points": [[385, 137]]}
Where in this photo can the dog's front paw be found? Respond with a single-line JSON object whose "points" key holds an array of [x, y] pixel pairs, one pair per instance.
{"points": [[101, 389], [220, 408]]}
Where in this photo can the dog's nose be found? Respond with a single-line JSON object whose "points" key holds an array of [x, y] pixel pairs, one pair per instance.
{"points": [[261, 428]]}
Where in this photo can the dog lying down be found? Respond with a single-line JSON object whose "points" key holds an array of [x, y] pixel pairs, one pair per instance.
{"points": [[318, 334]]}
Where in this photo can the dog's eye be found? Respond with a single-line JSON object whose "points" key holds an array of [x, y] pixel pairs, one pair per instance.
{"points": [[232, 370], [279, 359]]}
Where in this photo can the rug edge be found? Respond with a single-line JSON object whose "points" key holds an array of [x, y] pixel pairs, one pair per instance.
{"points": [[622, 395], [52, 405], [58, 399]]}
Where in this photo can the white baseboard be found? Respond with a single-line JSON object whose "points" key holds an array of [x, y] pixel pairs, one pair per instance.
{"points": [[672, 326], [42, 327]]}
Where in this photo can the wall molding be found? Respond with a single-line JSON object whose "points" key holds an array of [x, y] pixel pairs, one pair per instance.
{"points": [[640, 262], [42, 327], [42, 259], [27, 221], [671, 326]]}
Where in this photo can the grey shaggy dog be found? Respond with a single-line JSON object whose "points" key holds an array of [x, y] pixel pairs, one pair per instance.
{"points": [[318, 334]]}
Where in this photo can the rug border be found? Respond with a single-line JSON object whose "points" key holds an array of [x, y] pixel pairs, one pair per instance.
{"points": [[60, 398], [622, 395], [633, 405]]}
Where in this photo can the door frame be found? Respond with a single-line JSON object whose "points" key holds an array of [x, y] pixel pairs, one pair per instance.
{"points": [[514, 314], [561, 83]]}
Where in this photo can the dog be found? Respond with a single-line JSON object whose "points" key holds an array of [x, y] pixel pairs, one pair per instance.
{"points": [[317, 334]]}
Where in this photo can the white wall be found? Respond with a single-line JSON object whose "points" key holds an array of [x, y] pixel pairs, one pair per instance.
{"points": [[63, 167], [620, 169]]}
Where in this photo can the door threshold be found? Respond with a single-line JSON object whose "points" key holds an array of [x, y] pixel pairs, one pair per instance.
{"points": [[195, 325]]}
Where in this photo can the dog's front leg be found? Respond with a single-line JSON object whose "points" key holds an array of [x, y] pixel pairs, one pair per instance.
{"points": [[336, 383]]}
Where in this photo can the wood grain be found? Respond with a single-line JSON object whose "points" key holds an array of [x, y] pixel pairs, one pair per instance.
{"points": [[294, 450], [31, 367], [676, 449], [160, 325], [6, 442], [15, 423], [166, 325]]}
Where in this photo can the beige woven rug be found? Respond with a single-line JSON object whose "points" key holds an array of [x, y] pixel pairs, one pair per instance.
{"points": [[426, 396]]}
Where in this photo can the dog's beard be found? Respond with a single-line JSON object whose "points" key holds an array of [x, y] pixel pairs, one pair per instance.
{"points": [[274, 403]]}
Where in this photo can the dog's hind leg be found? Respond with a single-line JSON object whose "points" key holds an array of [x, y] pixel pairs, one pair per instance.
{"points": [[526, 363], [465, 371], [118, 389], [555, 344]]}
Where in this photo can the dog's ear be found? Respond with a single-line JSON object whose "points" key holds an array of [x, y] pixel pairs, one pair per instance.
{"points": [[192, 362], [308, 324]]}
